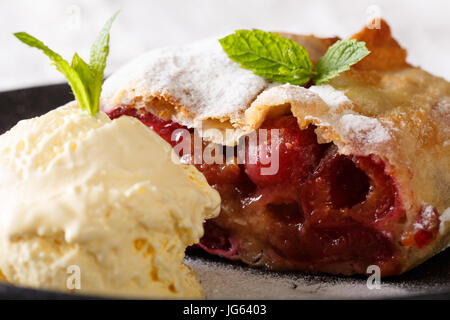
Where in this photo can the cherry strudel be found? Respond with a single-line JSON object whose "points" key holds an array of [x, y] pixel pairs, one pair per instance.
{"points": [[363, 172]]}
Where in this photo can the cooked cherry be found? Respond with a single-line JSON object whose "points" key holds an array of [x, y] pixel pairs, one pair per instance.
{"points": [[357, 187], [298, 153]]}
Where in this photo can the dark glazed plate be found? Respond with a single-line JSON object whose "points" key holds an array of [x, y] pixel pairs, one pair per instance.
{"points": [[222, 279]]}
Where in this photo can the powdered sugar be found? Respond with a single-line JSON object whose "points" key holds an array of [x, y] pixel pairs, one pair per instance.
{"points": [[200, 77], [428, 212], [332, 97], [363, 130]]}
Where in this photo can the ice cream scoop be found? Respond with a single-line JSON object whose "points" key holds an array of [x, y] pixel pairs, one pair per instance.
{"points": [[98, 205]]}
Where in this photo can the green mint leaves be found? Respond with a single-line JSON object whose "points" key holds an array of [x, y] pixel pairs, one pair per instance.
{"points": [[278, 59], [85, 79]]}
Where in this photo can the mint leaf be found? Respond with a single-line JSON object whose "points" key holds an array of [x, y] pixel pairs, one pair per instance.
{"points": [[97, 62], [269, 55], [84, 73], [84, 79], [77, 85], [338, 58]]}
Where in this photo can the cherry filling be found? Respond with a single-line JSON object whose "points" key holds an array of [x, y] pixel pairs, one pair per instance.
{"points": [[162, 127], [321, 211], [298, 153]]}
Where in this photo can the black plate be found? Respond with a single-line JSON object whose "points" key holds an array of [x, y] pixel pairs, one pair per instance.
{"points": [[430, 280]]}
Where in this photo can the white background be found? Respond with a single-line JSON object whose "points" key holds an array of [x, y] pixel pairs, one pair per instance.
{"points": [[422, 26]]}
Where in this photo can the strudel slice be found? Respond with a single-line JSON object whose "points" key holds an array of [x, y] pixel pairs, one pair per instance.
{"points": [[363, 162]]}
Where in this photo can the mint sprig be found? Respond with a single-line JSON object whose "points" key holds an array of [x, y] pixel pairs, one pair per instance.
{"points": [[278, 59], [85, 79]]}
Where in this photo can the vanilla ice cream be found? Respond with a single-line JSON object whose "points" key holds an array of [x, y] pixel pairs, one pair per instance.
{"points": [[99, 205]]}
